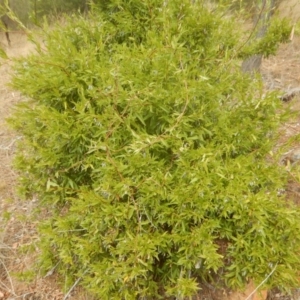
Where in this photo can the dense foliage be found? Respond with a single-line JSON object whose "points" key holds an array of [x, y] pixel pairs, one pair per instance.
{"points": [[148, 148]]}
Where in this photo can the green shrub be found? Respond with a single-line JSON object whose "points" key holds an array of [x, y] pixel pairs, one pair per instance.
{"points": [[148, 148]]}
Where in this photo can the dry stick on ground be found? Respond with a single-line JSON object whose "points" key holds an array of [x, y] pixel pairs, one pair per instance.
{"points": [[11, 144], [12, 290], [289, 95], [73, 287], [251, 294]]}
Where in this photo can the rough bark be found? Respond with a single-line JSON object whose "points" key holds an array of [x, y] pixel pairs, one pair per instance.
{"points": [[264, 11], [19, 8]]}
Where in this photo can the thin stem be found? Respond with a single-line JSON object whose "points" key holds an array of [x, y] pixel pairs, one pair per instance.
{"points": [[273, 270]]}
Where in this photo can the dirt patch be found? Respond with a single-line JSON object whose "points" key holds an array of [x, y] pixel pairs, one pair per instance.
{"points": [[20, 46], [17, 233], [290, 9]]}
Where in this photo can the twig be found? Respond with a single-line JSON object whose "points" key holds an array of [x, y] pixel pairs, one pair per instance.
{"points": [[50, 272], [273, 270], [24, 296], [73, 286], [12, 290], [289, 95], [5, 287], [292, 33], [11, 144]]}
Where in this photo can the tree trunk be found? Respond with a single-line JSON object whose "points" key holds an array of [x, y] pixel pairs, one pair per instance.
{"points": [[263, 13]]}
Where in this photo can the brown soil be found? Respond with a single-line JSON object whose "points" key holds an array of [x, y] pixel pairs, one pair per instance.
{"points": [[17, 234], [281, 72]]}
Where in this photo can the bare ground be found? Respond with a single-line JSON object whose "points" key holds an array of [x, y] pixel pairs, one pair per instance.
{"points": [[17, 233]]}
